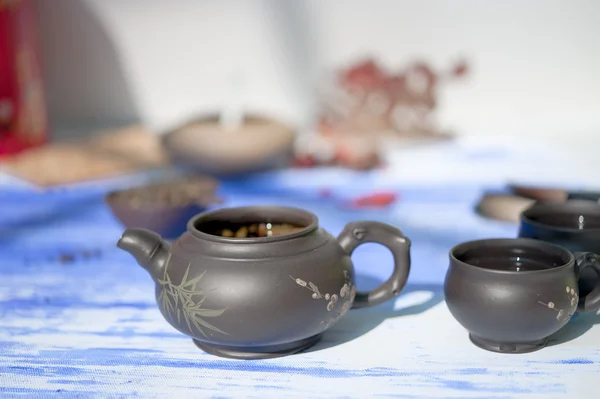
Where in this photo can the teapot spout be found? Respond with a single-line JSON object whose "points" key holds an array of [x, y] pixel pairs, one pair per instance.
{"points": [[148, 248]]}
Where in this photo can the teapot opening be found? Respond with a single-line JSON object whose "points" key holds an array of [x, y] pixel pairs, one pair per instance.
{"points": [[253, 223], [249, 230]]}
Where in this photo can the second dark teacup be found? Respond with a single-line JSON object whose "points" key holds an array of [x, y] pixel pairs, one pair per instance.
{"points": [[573, 224], [512, 294]]}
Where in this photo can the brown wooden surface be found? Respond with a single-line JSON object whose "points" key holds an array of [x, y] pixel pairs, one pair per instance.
{"points": [[106, 154]]}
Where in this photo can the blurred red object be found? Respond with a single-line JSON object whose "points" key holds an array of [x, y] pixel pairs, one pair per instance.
{"points": [[23, 120], [367, 75], [365, 105], [461, 68], [377, 200]]}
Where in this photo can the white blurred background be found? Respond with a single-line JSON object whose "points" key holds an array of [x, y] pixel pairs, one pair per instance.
{"points": [[535, 65]]}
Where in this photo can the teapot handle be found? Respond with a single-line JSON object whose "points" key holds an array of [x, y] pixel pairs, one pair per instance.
{"points": [[583, 260], [357, 233]]}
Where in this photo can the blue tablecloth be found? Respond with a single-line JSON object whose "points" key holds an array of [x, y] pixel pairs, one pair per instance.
{"points": [[79, 319]]}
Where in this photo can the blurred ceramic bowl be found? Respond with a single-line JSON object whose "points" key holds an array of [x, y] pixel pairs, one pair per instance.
{"points": [[260, 143], [503, 207], [163, 207]]}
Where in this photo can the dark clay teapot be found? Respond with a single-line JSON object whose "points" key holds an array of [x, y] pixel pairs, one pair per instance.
{"points": [[261, 282]]}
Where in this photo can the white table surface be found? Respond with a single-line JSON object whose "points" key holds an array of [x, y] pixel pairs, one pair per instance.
{"points": [[91, 328]]}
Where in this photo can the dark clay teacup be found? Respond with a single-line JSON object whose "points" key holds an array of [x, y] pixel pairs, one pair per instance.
{"points": [[574, 225], [512, 294]]}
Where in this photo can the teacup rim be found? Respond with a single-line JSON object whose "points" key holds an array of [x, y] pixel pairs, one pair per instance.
{"points": [[569, 204], [527, 241], [310, 227]]}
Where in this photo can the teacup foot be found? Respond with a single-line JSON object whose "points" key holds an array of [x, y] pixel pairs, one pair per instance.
{"points": [[256, 353], [508, 347]]}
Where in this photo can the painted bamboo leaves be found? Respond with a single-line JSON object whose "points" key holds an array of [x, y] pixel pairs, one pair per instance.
{"points": [[185, 300]]}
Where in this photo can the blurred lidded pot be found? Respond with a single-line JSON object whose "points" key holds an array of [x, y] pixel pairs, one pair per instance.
{"points": [[208, 146], [262, 294]]}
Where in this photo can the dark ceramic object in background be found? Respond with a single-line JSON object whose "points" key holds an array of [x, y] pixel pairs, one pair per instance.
{"points": [[262, 297], [512, 294], [574, 224], [547, 194], [503, 207], [163, 207]]}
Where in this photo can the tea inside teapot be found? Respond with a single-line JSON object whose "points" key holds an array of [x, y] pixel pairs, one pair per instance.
{"points": [[249, 230]]}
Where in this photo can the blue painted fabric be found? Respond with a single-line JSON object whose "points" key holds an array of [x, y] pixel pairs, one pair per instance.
{"points": [[79, 319]]}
